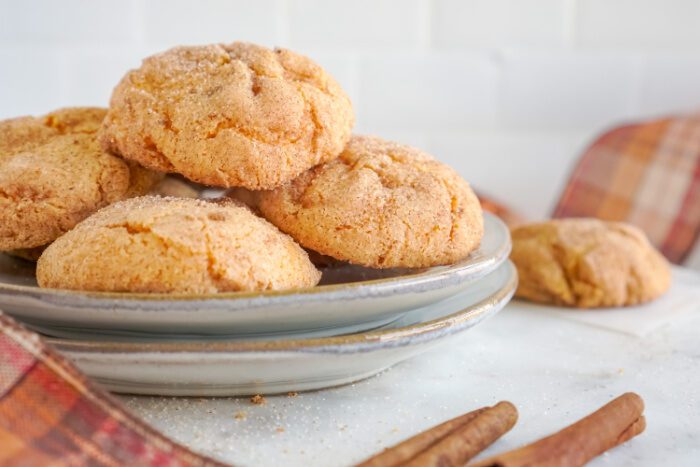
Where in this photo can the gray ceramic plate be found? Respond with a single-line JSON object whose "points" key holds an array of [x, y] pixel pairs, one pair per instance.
{"points": [[225, 368], [350, 299]]}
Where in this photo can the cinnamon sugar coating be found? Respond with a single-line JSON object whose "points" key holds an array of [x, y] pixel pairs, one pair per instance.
{"points": [[228, 115], [53, 174], [168, 186], [587, 263], [175, 245], [380, 204]]}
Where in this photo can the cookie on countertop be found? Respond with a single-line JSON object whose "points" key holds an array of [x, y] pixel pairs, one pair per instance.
{"points": [[380, 204], [175, 245], [586, 263], [53, 174], [229, 115]]}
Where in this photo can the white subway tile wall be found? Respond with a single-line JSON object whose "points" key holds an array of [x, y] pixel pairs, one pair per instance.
{"points": [[459, 24], [507, 91], [386, 25], [640, 24], [427, 92], [571, 89]]}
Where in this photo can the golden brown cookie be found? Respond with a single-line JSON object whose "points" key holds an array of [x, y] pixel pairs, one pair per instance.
{"points": [[169, 186], [587, 263], [53, 174], [229, 115], [380, 204], [171, 245]]}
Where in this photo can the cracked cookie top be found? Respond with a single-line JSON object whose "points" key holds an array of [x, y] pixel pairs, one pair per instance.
{"points": [[53, 174], [175, 245], [169, 186], [587, 263], [229, 115], [379, 204]]}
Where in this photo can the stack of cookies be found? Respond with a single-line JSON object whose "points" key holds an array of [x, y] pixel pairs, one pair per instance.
{"points": [[85, 190]]}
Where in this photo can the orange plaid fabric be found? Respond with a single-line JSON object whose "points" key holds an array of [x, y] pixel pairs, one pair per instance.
{"points": [[50, 414], [647, 174]]}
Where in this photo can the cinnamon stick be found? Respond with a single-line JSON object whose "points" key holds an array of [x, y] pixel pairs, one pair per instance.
{"points": [[412, 446], [609, 426], [453, 442], [633, 430], [470, 439]]}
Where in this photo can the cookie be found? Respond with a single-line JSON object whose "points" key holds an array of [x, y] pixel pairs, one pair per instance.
{"points": [[228, 115], [53, 174], [168, 186], [587, 263], [379, 204], [175, 245]]}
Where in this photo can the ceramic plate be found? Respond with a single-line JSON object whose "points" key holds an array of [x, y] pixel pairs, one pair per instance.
{"points": [[226, 368], [352, 299]]}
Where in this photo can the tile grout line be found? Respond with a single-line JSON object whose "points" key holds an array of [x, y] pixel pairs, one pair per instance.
{"points": [[570, 10], [635, 93], [139, 21], [282, 23], [425, 12]]}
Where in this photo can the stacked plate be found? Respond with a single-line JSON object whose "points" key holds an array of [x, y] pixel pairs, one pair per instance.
{"points": [[355, 324]]}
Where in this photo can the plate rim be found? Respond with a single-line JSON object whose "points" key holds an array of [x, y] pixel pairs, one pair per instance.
{"points": [[378, 287], [357, 342]]}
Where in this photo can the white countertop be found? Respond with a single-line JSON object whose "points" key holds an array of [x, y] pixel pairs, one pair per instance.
{"points": [[554, 370]]}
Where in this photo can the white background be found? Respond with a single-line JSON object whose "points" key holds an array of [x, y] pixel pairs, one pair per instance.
{"points": [[507, 91]]}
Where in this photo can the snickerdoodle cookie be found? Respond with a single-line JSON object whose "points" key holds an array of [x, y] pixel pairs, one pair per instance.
{"points": [[380, 204], [229, 115], [169, 245], [53, 174], [169, 186], [587, 263]]}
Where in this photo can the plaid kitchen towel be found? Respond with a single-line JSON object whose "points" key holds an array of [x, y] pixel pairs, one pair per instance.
{"points": [[647, 174], [50, 414]]}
